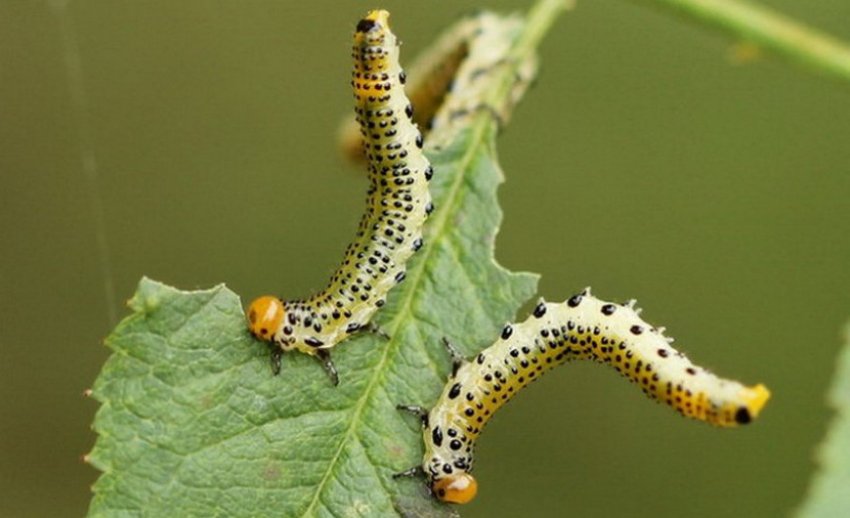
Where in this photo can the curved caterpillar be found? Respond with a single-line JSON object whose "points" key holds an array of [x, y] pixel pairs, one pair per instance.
{"points": [[581, 328], [398, 202]]}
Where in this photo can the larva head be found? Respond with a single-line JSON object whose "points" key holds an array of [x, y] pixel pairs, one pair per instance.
{"points": [[459, 488], [264, 317]]}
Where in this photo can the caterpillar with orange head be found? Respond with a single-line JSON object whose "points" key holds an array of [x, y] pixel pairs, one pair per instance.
{"points": [[398, 203], [581, 328]]}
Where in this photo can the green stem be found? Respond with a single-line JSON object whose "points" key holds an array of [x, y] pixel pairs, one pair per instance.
{"points": [[770, 30], [537, 23], [540, 18]]}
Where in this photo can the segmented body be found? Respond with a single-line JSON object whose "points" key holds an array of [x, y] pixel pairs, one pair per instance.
{"points": [[448, 80], [581, 328], [397, 205]]}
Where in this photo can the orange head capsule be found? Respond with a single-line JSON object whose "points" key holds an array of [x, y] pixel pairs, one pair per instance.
{"points": [[264, 317], [456, 489]]}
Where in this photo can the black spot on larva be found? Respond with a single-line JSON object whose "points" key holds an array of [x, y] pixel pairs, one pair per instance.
{"points": [[400, 276], [429, 208], [455, 391], [742, 415], [437, 436], [540, 310], [663, 353], [609, 309], [691, 371], [507, 331], [313, 342], [455, 444], [365, 25], [429, 173], [636, 330], [574, 301], [417, 244], [469, 412], [352, 327], [408, 110], [419, 141], [402, 77]]}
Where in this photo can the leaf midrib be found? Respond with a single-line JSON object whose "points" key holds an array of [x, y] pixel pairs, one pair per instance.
{"points": [[439, 229], [526, 42]]}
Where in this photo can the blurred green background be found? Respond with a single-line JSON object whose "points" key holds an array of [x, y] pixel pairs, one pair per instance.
{"points": [[645, 163]]}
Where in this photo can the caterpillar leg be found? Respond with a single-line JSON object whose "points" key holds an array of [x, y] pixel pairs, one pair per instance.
{"points": [[276, 355], [416, 410], [374, 328], [457, 358], [415, 471], [324, 357]]}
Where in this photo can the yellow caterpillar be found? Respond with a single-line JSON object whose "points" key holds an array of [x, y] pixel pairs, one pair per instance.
{"points": [[581, 328], [398, 202]]}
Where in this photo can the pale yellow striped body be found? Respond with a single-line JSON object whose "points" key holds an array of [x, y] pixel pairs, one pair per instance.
{"points": [[398, 203], [581, 328]]}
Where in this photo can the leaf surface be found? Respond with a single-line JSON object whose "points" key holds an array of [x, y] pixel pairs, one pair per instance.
{"points": [[192, 422], [829, 495]]}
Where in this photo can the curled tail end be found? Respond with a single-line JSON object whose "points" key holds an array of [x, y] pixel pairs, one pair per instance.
{"points": [[754, 399]]}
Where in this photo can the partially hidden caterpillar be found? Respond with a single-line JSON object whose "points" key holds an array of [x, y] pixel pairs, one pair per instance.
{"points": [[581, 328], [446, 80], [398, 203]]}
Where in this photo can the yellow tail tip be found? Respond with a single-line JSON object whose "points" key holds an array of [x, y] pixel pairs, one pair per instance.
{"points": [[758, 398], [754, 400], [378, 17]]}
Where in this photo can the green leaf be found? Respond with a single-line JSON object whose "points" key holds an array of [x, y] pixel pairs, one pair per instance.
{"points": [[828, 495], [192, 422]]}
